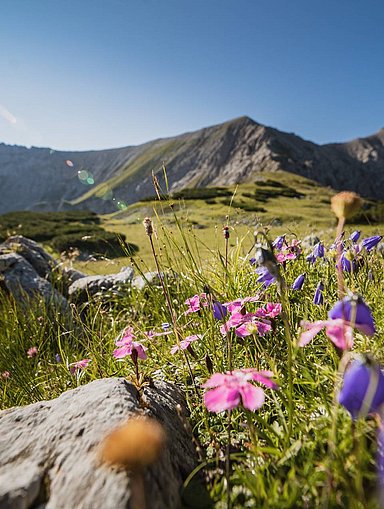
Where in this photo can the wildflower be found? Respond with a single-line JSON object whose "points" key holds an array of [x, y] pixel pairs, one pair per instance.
{"points": [[346, 204], [219, 310], [135, 445], [354, 237], [232, 388], [196, 302], [264, 258], [318, 297], [298, 282], [318, 252], [363, 387], [363, 320], [5, 375], [79, 365], [185, 343], [265, 277], [238, 304], [370, 242], [32, 352], [130, 348], [226, 232], [58, 358], [338, 331], [278, 243], [148, 227], [347, 261]]}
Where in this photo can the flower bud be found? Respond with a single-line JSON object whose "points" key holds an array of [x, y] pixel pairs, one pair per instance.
{"points": [[345, 204]]}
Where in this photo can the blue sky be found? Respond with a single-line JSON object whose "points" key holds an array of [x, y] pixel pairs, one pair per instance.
{"points": [[81, 74]]}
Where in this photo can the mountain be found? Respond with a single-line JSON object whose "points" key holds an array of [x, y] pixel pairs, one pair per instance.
{"points": [[233, 152]]}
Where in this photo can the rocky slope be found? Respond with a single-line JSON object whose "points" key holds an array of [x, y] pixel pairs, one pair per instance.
{"points": [[236, 151]]}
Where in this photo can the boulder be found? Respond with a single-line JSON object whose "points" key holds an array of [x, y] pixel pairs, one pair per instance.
{"points": [[19, 278], [41, 261], [150, 279], [84, 288], [49, 451]]}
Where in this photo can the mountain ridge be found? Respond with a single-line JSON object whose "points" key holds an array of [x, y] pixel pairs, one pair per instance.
{"points": [[236, 151]]}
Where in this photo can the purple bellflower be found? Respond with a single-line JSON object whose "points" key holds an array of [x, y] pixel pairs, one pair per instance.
{"points": [[370, 242], [318, 297], [278, 243], [363, 320], [265, 277], [298, 282], [219, 310], [355, 236], [362, 392]]}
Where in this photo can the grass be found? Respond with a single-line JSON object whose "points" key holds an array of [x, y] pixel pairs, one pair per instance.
{"points": [[300, 449]]}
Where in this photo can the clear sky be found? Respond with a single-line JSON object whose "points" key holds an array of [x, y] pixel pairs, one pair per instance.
{"points": [[90, 74]]}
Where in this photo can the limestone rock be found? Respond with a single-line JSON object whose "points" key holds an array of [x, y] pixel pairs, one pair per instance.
{"points": [[19, 278], [41, 261], [84, 288], [49, 451]]}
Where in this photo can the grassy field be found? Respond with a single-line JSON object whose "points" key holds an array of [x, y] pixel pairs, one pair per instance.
{"points": [[204, 218]]}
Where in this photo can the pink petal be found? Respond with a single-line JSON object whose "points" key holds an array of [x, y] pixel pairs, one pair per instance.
{"points": [[175, 349], [217, 379], [264, 378], [140, 349], [222, 398], [242, 331], [263, 328], [122, 352], [273, 310], [252, 397], [340, 333], [311, 330]]}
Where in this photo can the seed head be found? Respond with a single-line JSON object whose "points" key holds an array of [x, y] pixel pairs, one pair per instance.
{"points": [[148, 226], [135, 445], [345, 204], [226, 232]]}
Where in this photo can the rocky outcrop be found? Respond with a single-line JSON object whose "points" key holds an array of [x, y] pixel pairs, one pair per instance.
{"points": [[84, 288], [49, 451], [20, 279], [236, 151]]}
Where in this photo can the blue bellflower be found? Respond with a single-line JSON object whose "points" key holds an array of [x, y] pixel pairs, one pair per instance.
{"points": [[265, 276], [219, 310], [298, 282], [318, 252], [278, 243], [355, 236], [363, 321], [318, 297], [363, 388], [370, 242]]}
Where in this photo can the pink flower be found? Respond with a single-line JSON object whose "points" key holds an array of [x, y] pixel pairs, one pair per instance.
{"points": [[271, 310], [195, 302], [32, 352], [79, 365], [184, 344], [338, 331], [238, 304], [232, 388], [5, 374], [127, 337], [247, 324], [128, 348]]}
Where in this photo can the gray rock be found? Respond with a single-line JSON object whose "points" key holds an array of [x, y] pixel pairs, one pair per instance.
{"points": [[20, 279], [83, 289], [149, 279], [49, 451], [41, 261], [310, 241]]}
